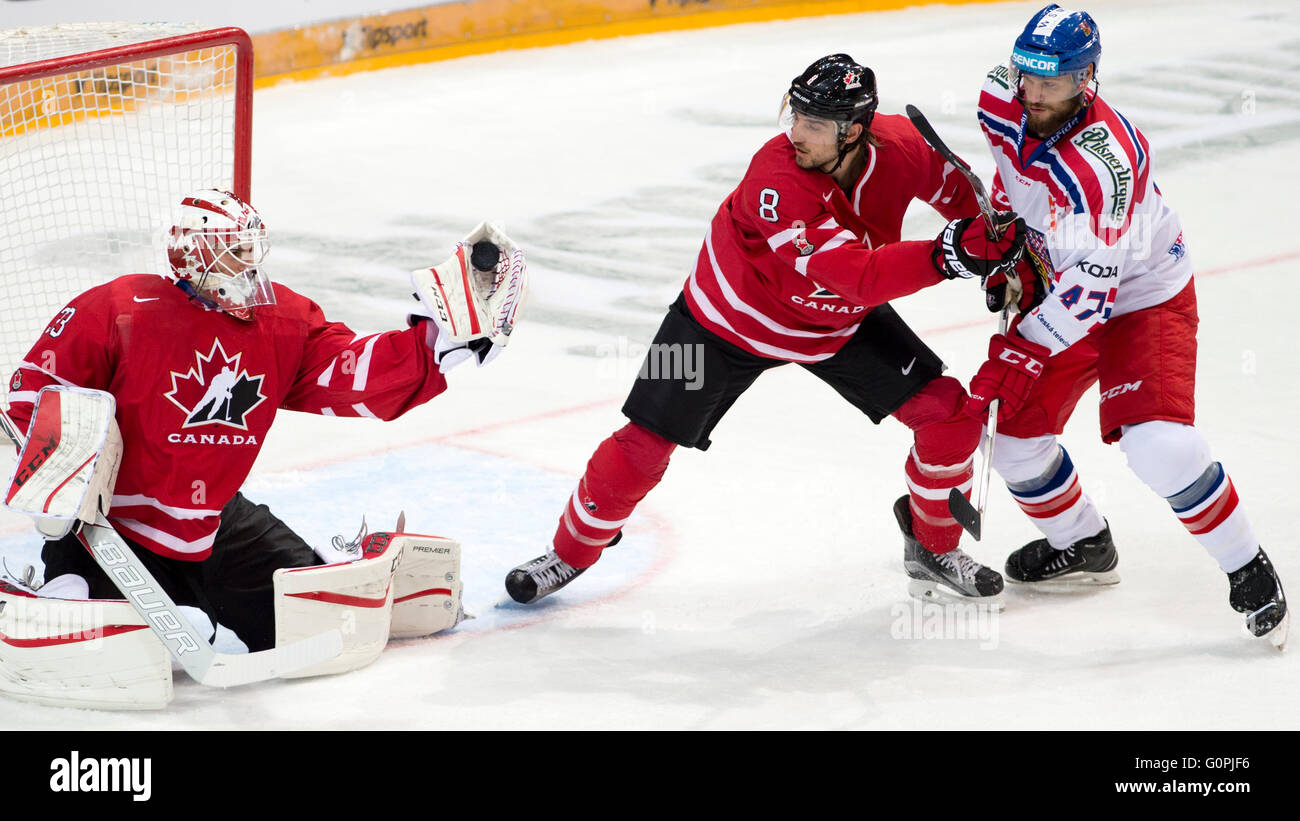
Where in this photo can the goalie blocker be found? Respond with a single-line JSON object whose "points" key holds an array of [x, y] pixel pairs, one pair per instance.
{"points": [[68, 468]]}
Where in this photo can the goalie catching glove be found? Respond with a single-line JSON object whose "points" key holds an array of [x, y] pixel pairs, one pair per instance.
{"points": [[473, 310]]}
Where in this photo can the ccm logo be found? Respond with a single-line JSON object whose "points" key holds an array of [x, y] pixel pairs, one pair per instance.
{"points": [[1111, 393], [1021, 361]]}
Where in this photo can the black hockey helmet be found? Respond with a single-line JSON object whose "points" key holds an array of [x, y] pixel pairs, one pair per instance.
{"points": [[836, 87]]}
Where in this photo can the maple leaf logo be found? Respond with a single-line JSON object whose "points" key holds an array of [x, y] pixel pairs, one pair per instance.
{"points": [[215, 391]]}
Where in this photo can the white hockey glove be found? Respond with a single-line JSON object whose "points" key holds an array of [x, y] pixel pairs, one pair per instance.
{"points": [[473, 301]]}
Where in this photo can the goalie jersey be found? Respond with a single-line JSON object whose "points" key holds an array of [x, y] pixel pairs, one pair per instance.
{"points": [[791, 264], [197, 392], [1115, 245]]}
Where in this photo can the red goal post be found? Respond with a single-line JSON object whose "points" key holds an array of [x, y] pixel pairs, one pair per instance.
{"points": [[103, 128]]}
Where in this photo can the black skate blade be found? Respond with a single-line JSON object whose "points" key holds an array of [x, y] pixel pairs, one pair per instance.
{"points": [[964, 512]]}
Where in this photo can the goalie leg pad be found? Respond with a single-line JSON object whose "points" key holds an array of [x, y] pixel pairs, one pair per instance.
{"points": [[405, 585], [89, 654], [354, 597], [427, 585]]}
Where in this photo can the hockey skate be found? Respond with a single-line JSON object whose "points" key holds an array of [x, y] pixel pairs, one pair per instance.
{"points": [[1256, 591], [544, 575], [953, 576], [1087, 563], [540, 578], [24, 579]]}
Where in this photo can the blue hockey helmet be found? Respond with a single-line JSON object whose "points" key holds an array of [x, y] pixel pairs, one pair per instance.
{"points": [[1057, 42]]}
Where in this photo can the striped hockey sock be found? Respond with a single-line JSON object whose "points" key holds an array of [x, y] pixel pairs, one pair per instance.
{"points": [[929, 486], [1210, 511], [1056, 503], [624, 468], [944, 438]]}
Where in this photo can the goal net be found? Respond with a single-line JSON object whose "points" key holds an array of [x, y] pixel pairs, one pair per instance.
{"points": [[103, 128]]}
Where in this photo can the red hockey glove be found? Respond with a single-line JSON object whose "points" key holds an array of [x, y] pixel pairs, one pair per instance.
{"points": [[1033, 269], [964, 250], [1014, 364]]}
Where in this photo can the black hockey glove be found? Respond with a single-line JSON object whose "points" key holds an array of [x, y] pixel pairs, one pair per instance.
{"points": [[964, 249]]}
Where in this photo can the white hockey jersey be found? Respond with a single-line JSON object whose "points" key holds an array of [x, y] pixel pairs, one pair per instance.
{"points": [[1115, 245]]}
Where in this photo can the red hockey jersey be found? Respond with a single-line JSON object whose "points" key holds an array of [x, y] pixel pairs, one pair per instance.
{"points": [[791, 264], [197, 391]]}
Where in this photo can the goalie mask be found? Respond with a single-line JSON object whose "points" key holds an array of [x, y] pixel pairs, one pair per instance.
{"points": [[216, 249]]}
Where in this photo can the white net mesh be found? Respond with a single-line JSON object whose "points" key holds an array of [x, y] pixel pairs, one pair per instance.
{"points": [[93, 163]]}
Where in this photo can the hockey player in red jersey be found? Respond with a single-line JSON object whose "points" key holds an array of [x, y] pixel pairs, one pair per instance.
{"points": [[1121, 314], [799, 265], [199, 364]]}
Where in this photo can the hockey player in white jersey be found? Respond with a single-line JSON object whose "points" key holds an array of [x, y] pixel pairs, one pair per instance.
{"points": [[1121, 313]]}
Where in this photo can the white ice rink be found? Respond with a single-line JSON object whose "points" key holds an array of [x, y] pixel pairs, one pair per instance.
{"points": [[760, 585]]}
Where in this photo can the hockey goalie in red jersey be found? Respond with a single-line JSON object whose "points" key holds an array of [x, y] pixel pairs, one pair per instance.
{"points": [[799, 265], [1121, 314], [199, 364]]}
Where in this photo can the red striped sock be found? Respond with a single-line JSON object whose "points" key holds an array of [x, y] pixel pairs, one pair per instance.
{"points": [[929, 487], [940, 459], [624, 468]]}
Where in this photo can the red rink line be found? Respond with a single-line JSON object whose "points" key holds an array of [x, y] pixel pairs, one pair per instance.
{"points": [[1254, 263], [454, 438], [1208, 272]]}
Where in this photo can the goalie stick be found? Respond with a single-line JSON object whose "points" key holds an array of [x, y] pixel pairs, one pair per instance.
{"points": [[178, 635], [971, 517]]}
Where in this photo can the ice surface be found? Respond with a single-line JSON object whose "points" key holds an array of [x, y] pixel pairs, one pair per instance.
{"points": [[760, 585]]}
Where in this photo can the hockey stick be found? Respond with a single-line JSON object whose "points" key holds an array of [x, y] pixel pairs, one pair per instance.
{"points": [[981, 196], [11, 430], [971, 517], [177, 634]]}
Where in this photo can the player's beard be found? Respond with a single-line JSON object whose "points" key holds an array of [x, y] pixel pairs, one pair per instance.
{"points": [[1050, 117]]}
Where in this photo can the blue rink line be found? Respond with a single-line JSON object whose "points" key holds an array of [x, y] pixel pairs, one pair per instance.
{"points": [[501, 511]]}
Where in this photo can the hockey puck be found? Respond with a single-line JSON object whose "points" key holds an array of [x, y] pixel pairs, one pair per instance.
{"points": [[485, 255]]}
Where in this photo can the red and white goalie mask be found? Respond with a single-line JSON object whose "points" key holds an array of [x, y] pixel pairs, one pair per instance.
{"points": [[216, 249]]}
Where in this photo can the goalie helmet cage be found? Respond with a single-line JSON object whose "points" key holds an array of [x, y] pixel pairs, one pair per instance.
{"points": [[103, 128]]}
